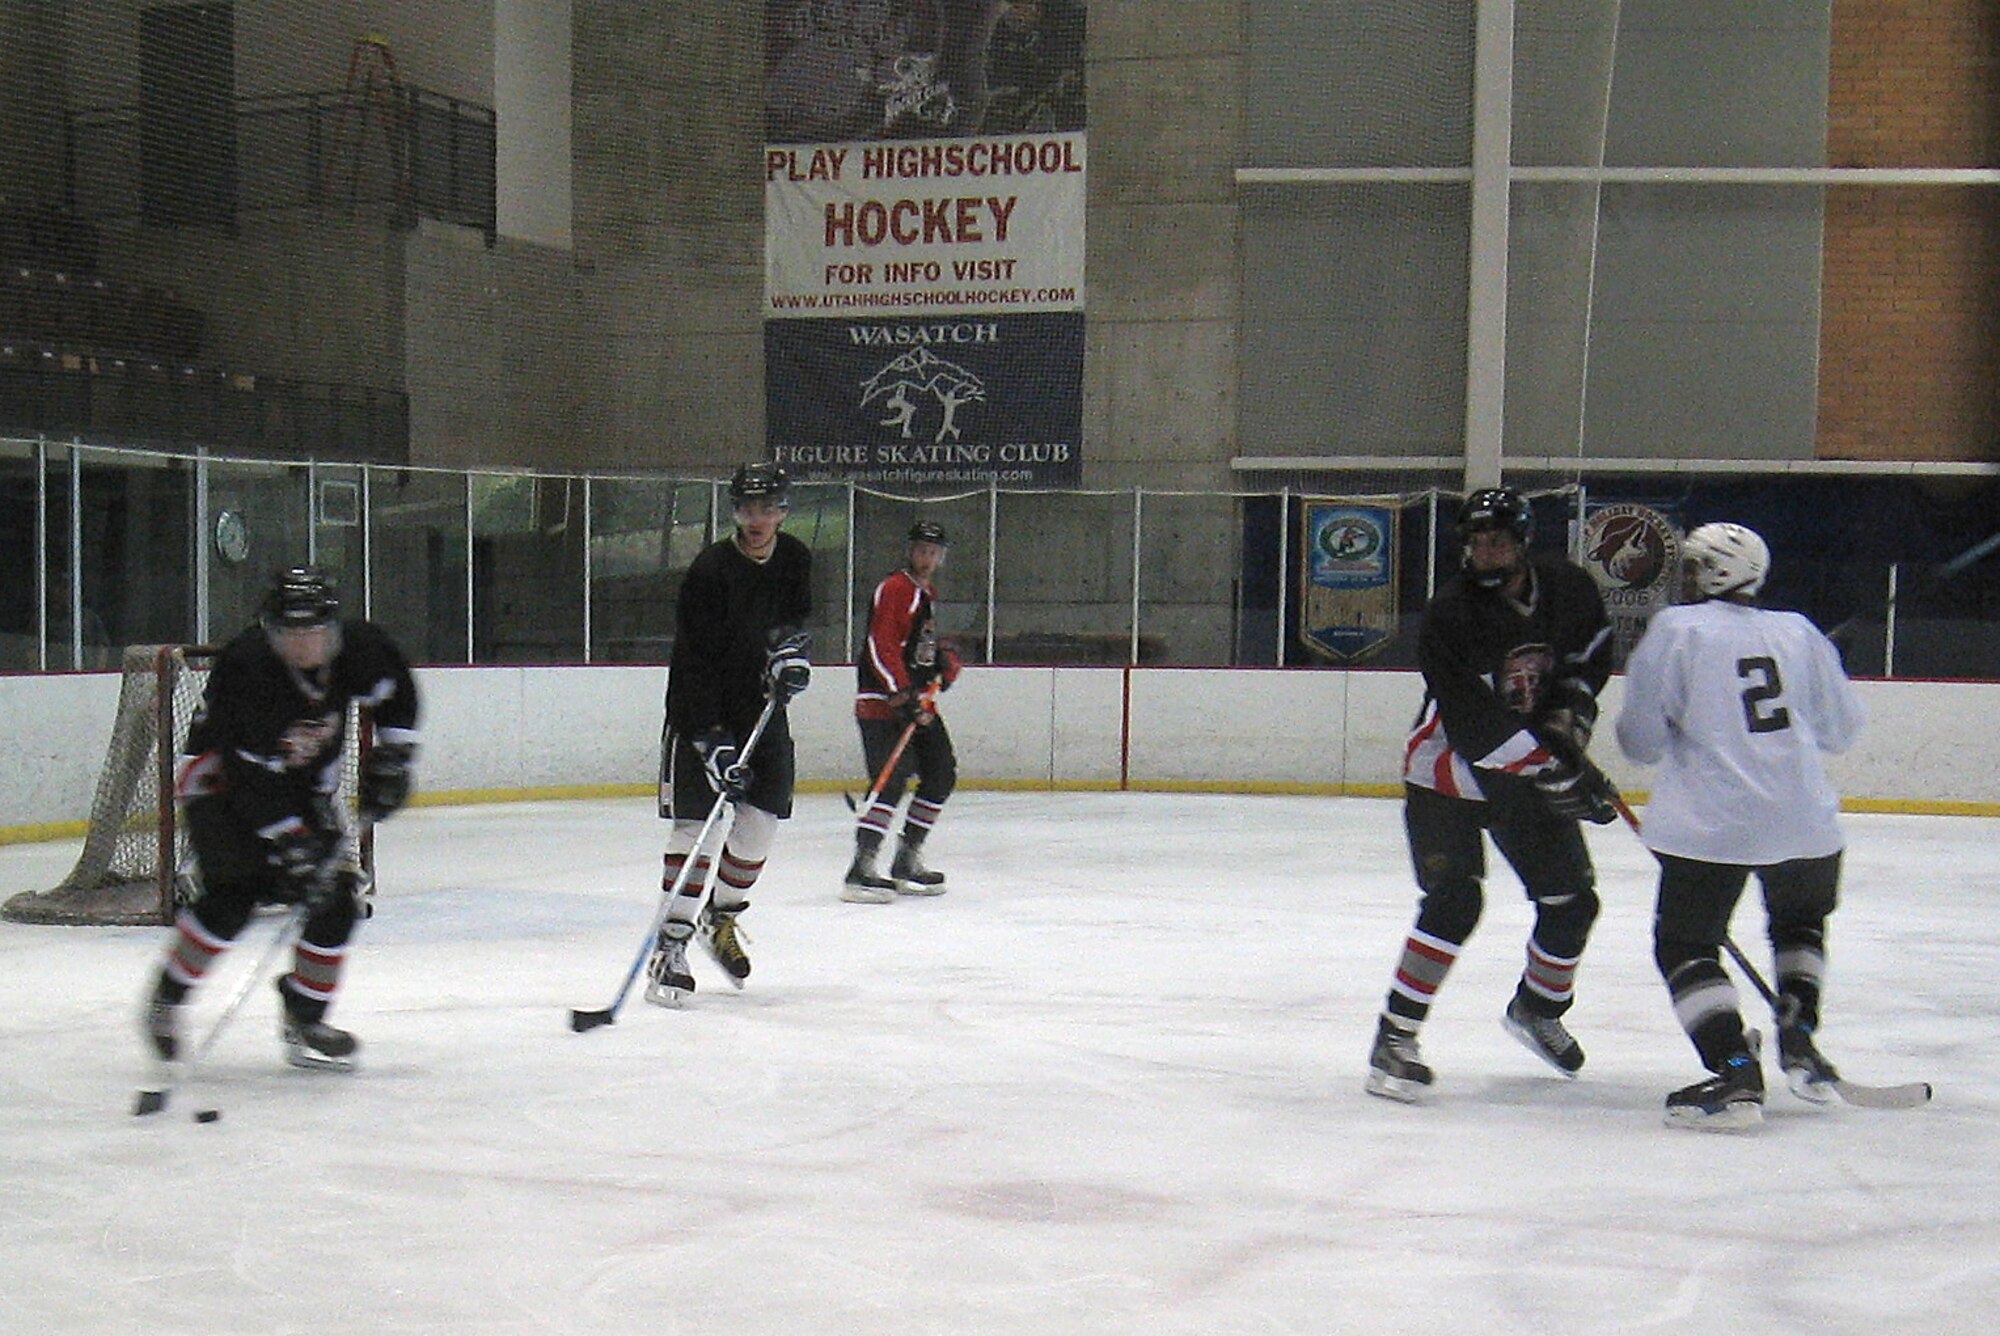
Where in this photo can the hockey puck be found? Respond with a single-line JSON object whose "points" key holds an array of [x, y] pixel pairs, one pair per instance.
{"points": [[208, 1115]]}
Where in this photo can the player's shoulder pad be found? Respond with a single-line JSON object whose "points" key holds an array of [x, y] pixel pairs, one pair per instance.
{"points": [[248, 645], [367, 648]]}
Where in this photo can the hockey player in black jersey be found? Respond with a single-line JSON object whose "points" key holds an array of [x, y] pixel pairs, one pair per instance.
{"points": [[1513, 655], [256, 787], [738, 641]]}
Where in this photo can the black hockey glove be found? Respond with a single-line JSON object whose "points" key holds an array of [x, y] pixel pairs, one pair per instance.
{"points": [[1578, 790], [301, 864], [1570, 718], [722, 761], [917, 708], [386, 779], [787, 664]]}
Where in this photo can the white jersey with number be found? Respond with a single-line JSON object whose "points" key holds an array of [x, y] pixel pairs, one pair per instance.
{"points": [[1735, 705]]}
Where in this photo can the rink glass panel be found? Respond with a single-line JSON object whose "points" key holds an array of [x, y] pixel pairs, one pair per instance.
{"points": [[538, 568]]}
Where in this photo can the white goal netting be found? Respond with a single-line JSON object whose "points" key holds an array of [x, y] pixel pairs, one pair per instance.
{"points": [[135, 848]]}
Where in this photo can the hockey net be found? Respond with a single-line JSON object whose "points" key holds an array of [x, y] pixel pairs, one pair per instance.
{"points": [[136, 846]]}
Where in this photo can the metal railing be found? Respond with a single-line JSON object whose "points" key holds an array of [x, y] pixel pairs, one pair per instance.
{"points": [[105, 547], [407, 153]]}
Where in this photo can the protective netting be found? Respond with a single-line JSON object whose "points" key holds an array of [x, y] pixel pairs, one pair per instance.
{"points": [[433, 233], [428, 247]]}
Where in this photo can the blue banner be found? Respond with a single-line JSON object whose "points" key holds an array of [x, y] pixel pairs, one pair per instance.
{"points": [[1347, 577]]}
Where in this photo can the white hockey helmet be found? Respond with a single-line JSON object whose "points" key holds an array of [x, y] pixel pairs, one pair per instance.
{"points": [[1725, 558]]}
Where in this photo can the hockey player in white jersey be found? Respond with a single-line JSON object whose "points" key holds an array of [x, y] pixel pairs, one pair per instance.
{"points": [[1736, 703]]}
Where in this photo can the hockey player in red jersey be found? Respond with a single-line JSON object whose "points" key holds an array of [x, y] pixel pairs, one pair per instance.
{"points": [[257, 789], [1513, 654], [1736, 703], [901, 660], [739, 641]]}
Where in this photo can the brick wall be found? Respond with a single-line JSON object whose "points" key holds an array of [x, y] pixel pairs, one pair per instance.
{"points": [[1909, 362]]}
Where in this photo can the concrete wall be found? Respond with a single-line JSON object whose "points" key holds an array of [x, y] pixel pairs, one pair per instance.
{"points": [[669, 238], [493, 353], [1161, 348], [496, 733], [34, 77], [443, 45]]}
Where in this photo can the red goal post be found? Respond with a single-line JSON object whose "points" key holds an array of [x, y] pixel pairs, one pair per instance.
{"points": [[129, 870]]}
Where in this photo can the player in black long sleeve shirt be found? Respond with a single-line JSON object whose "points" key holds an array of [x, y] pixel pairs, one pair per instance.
{"points": [[738, 641], [257, 788]]}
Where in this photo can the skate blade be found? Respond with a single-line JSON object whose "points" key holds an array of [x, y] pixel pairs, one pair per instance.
{"points": [[919, 888], [667, 995], [867, 895], [1520, 1032], [1399, 1088], [736, 980], [308, 1061], [1737, 1117], [1808, 1087]]}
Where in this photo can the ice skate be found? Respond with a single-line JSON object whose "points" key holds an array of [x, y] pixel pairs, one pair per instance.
{"points": [[864, 886], [1810, 1076], [911, 876], [317, 1046], [667, 977], [1544, 1036], [1729, 1101], [723, 941], [1394, 1069]]}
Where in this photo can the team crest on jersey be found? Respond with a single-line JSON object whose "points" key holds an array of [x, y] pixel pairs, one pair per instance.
{"points": [[305, 740], [923, 646], [1524, 677]]}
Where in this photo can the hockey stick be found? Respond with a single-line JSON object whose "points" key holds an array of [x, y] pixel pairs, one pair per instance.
{"points": [[580, 1019], [889, 766], [153, 1099], [1908, 1096]]}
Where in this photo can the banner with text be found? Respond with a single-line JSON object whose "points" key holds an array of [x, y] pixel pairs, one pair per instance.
{"points": [[911, 228], [953, 399], [1347, 577], [924, 241], [1634, 554]]}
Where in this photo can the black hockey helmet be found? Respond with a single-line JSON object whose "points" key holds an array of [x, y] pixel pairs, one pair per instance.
{"points": [[1495, 508], [760, 480], [929, 531], [299, 596]]}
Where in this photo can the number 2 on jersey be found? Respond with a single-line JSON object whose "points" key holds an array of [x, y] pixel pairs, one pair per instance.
{"points": [[1761, 716]]}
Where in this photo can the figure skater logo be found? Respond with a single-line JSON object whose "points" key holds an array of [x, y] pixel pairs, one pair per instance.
{"points": [[919, 375]]}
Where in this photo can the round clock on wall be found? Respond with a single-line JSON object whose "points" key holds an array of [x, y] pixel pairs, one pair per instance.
{"points": [[232, 537]]}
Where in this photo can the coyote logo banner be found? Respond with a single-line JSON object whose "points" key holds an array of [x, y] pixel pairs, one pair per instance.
{"points": [[1634, 554], [1347, 577]]}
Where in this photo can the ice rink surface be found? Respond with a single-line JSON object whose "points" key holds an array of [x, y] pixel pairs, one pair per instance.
{"points": [[1111, 1083]]}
